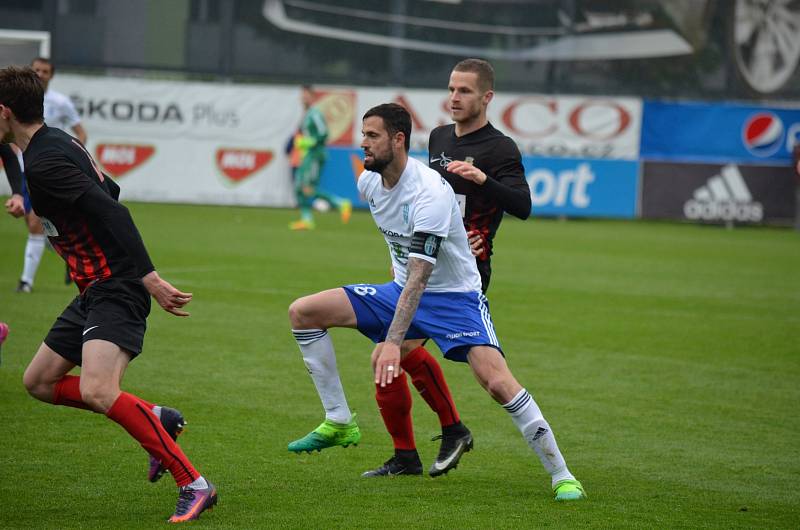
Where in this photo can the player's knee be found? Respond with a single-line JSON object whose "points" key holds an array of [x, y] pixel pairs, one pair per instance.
{"points": [[97, 396], [301, 314], [35, 386]]}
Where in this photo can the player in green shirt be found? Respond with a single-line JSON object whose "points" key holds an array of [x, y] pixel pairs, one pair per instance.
{"points": [[308, 155]]}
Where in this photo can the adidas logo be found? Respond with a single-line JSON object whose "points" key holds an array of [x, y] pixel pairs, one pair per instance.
{"points": [[725, 197], [541, 431]]}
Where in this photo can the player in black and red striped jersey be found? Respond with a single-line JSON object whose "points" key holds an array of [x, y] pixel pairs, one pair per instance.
{"points": [[103, 328]]}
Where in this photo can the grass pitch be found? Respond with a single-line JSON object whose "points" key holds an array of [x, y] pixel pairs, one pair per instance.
{"points": [[666, 358]]}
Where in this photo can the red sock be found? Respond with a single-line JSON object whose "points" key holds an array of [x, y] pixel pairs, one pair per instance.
{"points": [[394, 403], [138, 419], [67, 392], [429, 380]]}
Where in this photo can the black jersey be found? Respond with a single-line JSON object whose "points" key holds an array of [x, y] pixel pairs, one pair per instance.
{"points": [[78, 207], [11, 165], [505, 189]]}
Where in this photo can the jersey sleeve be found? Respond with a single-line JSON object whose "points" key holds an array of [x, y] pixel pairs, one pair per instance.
{"points": [[361, 184], [11, 166], [432, 211], [117, 219], [71, 116], [59, 177], [509, 186]]}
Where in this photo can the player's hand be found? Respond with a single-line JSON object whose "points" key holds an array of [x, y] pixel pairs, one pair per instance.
{"points": [[467, 171], [168, 297], [15, 206], [387, 365], [475, 242]]}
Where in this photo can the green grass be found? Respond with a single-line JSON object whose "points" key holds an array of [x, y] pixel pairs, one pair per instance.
{"points": [[666, 358]]}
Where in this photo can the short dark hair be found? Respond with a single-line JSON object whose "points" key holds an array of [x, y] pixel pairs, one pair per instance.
{"points": [[395, 119], [45, 60], [23, 93], [480, 67]]}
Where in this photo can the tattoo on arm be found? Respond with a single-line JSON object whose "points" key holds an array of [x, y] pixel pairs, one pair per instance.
{"points": [[419, 271]]}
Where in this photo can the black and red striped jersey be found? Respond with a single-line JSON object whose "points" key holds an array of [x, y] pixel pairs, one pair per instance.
{"points": [[505, 189], [78, 207]]}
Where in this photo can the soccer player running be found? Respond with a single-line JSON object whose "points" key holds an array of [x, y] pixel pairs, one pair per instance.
{"points": [[58, 112], [435, 294], [484, 167], [102, 329], [309, 156]]}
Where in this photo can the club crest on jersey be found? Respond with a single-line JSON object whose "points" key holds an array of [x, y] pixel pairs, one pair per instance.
{"points": [[405, 213], [431, 244]]}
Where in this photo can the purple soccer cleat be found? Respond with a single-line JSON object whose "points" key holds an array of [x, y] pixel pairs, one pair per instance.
{"points": [[192, 502], [173, 422]]}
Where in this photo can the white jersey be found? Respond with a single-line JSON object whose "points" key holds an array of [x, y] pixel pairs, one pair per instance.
{"points": [[59, 111], [422, 201]]}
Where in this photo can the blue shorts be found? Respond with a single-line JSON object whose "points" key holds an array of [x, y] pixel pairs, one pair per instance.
{"points": [[26, 198], [455, 321]]}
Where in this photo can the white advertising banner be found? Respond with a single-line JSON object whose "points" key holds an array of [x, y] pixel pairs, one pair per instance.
{"points": [[548, 126], [171, 141], [214, 143]]}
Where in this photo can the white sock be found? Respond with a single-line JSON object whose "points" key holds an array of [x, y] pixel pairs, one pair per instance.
{"points": [[536, 431], [34, 249], [157, 411], [199, 484], [318, 354]]}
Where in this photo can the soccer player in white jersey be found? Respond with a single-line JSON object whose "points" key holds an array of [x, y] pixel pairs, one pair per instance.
{"points": [[59, 112], [436, 293], [58, 108]]}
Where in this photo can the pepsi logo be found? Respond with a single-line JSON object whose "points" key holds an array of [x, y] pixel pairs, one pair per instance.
{"points": [[762, 134]]}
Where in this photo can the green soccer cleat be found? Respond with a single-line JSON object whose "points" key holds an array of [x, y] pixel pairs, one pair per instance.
{"points": [[328, 434], [569, 490]]}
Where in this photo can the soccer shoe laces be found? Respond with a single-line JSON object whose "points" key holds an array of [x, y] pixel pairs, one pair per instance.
{"points": [[185, 498]]}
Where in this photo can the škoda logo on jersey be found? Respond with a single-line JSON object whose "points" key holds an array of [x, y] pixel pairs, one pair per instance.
{"points": [[118, 159], [239, 164]]}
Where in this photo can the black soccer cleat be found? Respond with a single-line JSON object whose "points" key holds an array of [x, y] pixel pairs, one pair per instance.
{"points": [[173, 422], [24, 287], [399, 464], [456, 440]]}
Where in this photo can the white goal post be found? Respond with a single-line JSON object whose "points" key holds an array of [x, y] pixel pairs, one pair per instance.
{"points": [[20, 46]]}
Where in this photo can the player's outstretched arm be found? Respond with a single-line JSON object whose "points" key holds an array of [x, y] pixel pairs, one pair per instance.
{"points": [[118, 220], [167, 296], [387, 365]]}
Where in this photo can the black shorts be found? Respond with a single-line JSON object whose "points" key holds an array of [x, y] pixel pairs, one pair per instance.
{"points": [[114, 310]]}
